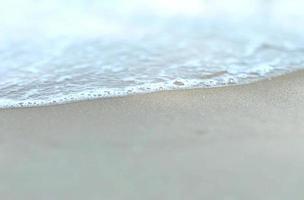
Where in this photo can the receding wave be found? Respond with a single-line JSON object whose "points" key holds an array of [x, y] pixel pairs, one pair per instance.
{"points": [[55, 52]]}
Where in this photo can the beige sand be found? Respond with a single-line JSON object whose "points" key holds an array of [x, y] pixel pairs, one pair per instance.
{"points": [[241, 142]]}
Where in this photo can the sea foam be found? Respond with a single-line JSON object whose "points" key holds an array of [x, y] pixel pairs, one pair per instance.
{"points": [[61, 51]]}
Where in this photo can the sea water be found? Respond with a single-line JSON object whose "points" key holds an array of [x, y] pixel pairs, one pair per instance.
{"points": [[54, 51]]}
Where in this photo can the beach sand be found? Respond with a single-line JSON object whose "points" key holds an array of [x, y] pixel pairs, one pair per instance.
{"points": [[238, 142]]}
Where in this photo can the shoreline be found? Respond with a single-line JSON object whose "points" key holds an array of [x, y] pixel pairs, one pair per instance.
{"points": [[100, 98], [236, 142]]}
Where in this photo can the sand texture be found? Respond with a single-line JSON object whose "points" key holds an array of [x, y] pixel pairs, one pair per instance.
{"points": [[239, 142]]}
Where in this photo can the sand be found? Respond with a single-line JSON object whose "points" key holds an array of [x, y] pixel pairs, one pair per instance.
{"points": [[238, 142]]}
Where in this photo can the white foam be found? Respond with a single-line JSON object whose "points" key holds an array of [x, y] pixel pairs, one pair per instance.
{"points": [[60, 51]]}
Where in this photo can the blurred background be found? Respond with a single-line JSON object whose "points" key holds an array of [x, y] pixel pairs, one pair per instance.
{"points": [[56, 17]]}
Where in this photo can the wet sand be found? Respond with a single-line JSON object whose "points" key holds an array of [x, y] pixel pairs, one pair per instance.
{"points": [[239, 142]]}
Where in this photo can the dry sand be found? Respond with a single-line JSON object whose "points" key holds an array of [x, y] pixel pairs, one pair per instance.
{"points": [[240, 142]]}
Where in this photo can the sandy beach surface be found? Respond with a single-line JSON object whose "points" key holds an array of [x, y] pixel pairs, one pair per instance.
{"points": [[239, 142]]}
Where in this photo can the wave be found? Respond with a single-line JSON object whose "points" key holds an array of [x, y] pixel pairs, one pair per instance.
{"points": [[54, 52]]}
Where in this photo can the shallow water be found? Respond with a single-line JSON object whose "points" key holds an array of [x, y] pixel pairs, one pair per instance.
{"points": [[55, 52]]}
